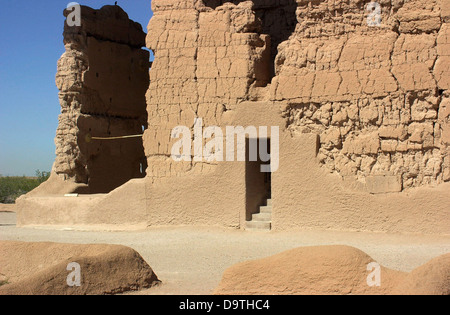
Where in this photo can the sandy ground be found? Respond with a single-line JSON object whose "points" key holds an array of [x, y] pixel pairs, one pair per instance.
{"points": [[192, 260]]}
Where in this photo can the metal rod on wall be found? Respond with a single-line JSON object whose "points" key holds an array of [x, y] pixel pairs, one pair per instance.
{"points": [[89, 138]]}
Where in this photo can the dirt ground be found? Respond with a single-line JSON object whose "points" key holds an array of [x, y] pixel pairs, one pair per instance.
{"points": [[191, 260]]}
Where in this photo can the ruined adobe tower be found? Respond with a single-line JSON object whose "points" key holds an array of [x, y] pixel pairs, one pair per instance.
{"points": [[363, 112], [102, 78]]}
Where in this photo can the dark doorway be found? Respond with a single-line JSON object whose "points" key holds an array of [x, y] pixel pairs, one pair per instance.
{"points": [[258, 184]]}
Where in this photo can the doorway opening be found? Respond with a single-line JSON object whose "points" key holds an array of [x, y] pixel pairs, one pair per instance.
{"points": [[258, 184]]}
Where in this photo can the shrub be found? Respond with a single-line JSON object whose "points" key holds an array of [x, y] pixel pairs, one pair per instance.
{"points": [[12, 188]]}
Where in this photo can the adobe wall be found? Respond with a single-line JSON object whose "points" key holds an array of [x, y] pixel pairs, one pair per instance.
{"points": [[377, 96], [362, 111], [206, 62], [102, 78], [363, 114]]}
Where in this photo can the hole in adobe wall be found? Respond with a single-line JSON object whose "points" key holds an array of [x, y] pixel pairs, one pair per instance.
{"points": [[151, 53], [279, 20]]}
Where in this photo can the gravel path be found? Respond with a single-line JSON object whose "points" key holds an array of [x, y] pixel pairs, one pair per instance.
{"points": [[192, 260]]}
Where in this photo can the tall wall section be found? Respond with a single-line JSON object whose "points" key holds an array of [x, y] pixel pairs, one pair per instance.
{"points": [[206, 62], [102, 78]]}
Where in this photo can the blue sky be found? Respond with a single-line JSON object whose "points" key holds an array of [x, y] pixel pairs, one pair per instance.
{"points": [[30, 45]]}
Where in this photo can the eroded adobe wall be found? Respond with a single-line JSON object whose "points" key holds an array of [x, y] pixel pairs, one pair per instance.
{"points": [[362, 111], [377, 96], [102, 78], [277, 18], [347, 97], [206, 61]]}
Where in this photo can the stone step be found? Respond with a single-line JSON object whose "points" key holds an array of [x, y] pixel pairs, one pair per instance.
{"points": [[263, 216], [258, 225], [265, 209], [269, 202]]}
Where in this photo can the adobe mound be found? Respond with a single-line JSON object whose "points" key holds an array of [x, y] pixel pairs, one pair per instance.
{"points": [[7, 207], [433, 278], [41, 269], [307, 270]]}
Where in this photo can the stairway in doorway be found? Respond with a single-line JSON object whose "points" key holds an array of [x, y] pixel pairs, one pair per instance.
{"points": [[261, 221]]}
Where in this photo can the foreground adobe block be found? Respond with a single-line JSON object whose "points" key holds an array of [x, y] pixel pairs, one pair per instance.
{"points": [[45, 269]]}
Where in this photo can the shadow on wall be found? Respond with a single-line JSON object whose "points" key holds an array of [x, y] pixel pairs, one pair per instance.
{"points": [[278, 18]]}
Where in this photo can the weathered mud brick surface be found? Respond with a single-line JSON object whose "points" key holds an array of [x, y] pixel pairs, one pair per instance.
{"points": [[102, 78]]}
